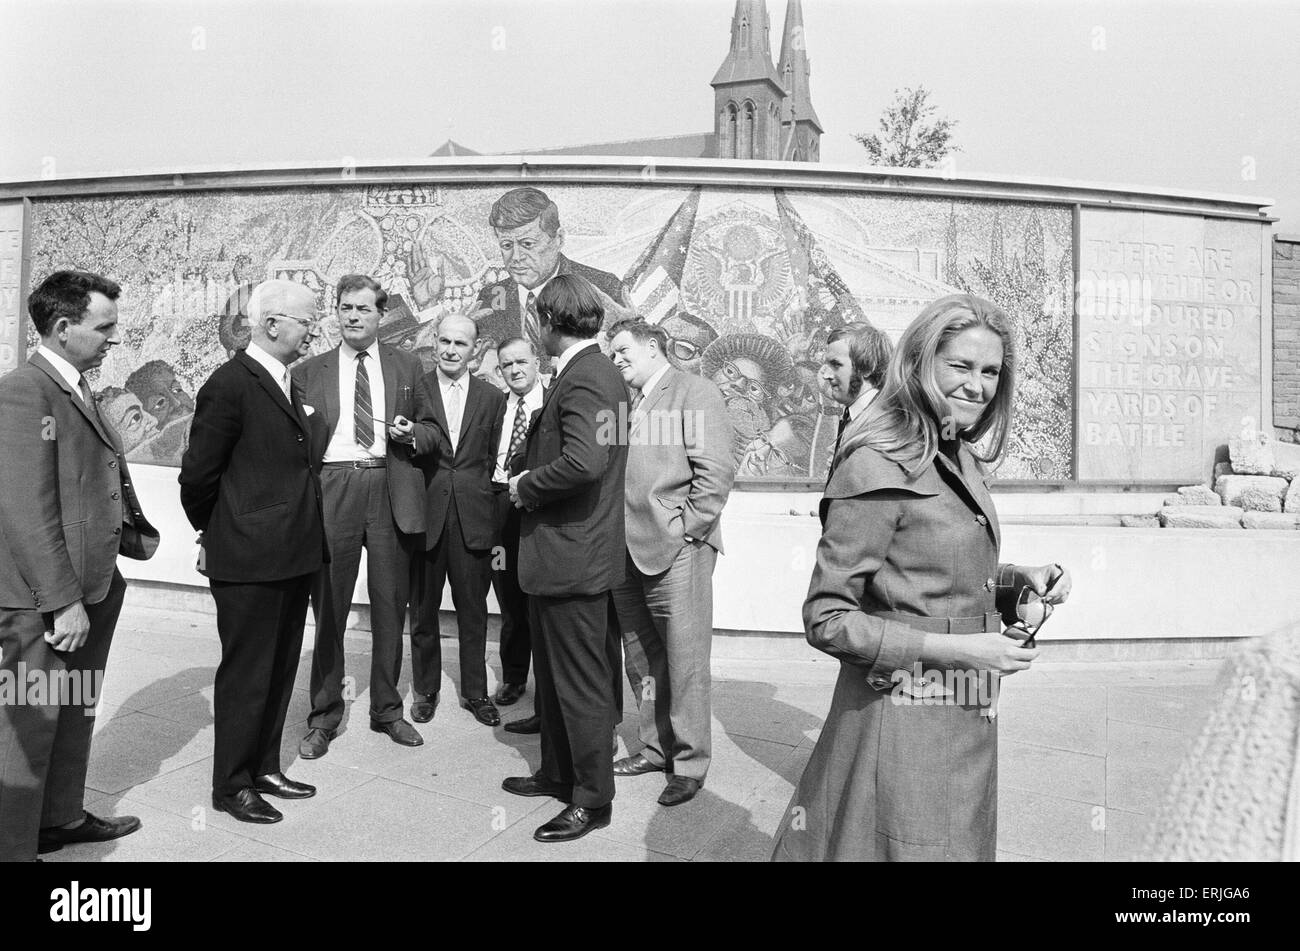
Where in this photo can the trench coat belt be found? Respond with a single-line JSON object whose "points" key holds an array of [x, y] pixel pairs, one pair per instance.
{"points": [[990, 622]]}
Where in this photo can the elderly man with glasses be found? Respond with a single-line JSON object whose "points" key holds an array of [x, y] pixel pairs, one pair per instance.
{"points": [[249, 484]]}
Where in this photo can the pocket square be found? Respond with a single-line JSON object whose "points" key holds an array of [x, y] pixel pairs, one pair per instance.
{"points": [[309, 410]]}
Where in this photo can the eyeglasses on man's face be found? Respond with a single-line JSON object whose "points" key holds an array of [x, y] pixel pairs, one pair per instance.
{"points": [[312, 324]]}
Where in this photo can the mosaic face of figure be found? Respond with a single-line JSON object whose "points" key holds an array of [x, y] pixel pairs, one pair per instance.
{"points": [[529, 253], [163, 397], [742, 377], [125, 414], [686, 342]]}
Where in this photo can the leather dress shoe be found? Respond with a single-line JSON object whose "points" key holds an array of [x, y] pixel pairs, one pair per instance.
{"points": [[680, 789], [316, 743], [508, 694], [573, 823], [537, 786], [247, 806], [282, 787], [422, 710], [482, 709], [635, 765], [93, 829], [399, 731], [531, 724]]}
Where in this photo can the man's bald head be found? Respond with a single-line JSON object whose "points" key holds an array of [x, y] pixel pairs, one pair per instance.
{"points": [[282, 319]]}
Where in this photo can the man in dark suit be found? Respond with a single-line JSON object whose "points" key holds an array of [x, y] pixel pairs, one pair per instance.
{"points": [[67, 510], [363, 393], [250, 486], [570, 558], [518, 362], [457, 447], [679, 475], [527, 227]]}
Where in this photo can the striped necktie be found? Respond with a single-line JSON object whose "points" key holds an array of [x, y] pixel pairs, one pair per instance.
{"points": [[519, 432], [363, 412]]}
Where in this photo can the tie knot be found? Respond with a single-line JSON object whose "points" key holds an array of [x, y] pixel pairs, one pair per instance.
{"points": [[361, 355]]}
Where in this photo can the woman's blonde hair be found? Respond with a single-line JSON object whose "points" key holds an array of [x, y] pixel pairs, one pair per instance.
{"points": [[906, 421]]}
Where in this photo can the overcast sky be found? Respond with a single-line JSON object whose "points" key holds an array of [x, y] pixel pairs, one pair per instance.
{"points": [[1201, 96]]}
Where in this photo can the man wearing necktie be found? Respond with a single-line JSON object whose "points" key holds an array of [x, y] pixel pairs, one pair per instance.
{"points": [[852, 372], [456, 445], [679, 476], [364, 392], [249, 484], [518, 362], [67, 510]]}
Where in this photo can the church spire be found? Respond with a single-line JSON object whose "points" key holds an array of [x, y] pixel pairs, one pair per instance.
{"points": [[794, 68], [750, 56]]}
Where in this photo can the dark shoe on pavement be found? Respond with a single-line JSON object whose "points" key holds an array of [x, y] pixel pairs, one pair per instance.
{"points": [[508, 694], [531, 724], [482, 709], [422, 709], [247, 806], [573, 823], [399, 731], [680, 789], [93, 829], [282, 787], [316, 743], [635, 766], [537, 786]]}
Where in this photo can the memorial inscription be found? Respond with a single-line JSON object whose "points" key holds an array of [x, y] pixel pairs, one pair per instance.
{"points": [[12, 337], [1169, 333]]}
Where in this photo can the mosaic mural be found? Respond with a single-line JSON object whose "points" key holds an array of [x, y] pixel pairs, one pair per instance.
{"points": [[748, 283]]}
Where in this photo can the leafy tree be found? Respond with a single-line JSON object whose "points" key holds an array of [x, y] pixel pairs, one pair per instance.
{"points": [[910, 135]]}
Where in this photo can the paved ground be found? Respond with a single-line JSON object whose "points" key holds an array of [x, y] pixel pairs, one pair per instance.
{"points": [[1086, 751]]}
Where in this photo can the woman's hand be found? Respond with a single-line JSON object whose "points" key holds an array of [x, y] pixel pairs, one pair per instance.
{"points": [[999, 652], [1050, 582]]}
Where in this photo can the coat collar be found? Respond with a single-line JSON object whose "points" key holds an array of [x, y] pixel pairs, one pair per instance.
{"points": [[105, 432], [972, 479], [268, 384]]}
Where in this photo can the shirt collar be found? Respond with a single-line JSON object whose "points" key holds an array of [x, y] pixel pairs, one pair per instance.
{"points": [[532, 399], [371, 351], [65, 369], [862, 402], [270, 363], [651, 383], [445, 382], [572, 352]]}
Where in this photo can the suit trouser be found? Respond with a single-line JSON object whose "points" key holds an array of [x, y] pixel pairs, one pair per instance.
{"points": [[574, 699], [470, 571], [260, 626], [516, 641], [667, 622], [359, 513], [45, 744]]}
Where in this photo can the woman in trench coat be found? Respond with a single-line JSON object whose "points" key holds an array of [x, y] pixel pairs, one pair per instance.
{"points": [[908, 593]]}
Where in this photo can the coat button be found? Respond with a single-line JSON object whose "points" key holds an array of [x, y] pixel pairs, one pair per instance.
{"points": [[990, 585], [117, 531], [300, 437], [981, 519], [115, 495], [113, 464]]}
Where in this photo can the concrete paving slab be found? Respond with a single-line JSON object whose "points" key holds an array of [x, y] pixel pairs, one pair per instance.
{"points": [[133, 748], [516, 844], [1125, 834], [1045, 770], [1181, 708], [163, 837], [1049, 827], [1063, 717]]}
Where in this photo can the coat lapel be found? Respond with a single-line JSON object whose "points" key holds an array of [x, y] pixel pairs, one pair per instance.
{"points": [[973, 488], [329, 365], [472, 401], [91, 415], [270, 386], [388, 367], [648, 402]]}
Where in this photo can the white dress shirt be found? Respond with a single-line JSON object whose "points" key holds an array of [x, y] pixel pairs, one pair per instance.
{"points": [[445, 385], [563, 360], [532, 403], [651, 383], [279, 372], [343, 445], [65, 369], [861, 403]]}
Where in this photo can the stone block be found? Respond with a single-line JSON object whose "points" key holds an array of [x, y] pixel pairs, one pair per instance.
{"points": [[1271, 520], [1291, 501], [1230, 487], [1139, 521], [1286, 459], [1251, 455], [1201, 516], [1198, 495], [1254, 498], [1221, 469]]}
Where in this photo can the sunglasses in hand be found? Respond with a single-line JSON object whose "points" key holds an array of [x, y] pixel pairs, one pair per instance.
{"points": [[1033, 613]]}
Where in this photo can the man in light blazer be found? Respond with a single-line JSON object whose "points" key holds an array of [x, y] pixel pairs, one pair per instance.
{"points": [[457, 447], [249, 484], [570, 558], [364, 395], [679, 475], [852, 373], [67, 510]]}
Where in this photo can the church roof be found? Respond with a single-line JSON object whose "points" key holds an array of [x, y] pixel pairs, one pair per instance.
{"points": [[451, 148], [693, 145]]}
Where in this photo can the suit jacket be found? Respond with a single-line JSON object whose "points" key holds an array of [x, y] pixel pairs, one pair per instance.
{"points": [[462, 478], [679, 469], [502, 298], [248, 478], [571, 538], [68, 507], [319, 379]]}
